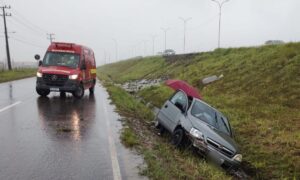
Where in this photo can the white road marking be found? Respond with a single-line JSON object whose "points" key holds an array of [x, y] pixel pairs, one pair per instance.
{"points": [[112, 148], [10, 106]]}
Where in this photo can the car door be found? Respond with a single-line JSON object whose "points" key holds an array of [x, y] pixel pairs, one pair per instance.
{"points": [[171, 111], [88, 65], [85, 72]]}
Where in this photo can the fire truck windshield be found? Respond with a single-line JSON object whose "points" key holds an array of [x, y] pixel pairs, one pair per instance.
{"points": [[61, 59]]}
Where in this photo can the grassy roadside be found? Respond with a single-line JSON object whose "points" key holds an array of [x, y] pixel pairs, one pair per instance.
{"points": [[163, 160], [16, 74], [259, 93]]}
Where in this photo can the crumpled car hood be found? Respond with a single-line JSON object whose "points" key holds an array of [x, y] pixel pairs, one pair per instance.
{"points": [[214, 134]]}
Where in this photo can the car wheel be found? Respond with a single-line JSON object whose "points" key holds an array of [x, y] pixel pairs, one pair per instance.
{"points": [[157, 124], [42, 92], [178, 137], [79, 92], [92, 89], [160, 128]]}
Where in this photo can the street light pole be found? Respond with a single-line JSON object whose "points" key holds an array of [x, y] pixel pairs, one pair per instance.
{"points": [[145, 47], [185, 20], [135, 50], [105, 62], [116, 46], [153, 44], [220, 4], [165, 30]]}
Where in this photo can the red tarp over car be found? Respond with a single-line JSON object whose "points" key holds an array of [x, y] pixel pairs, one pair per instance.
{"points": [[184, 86]]}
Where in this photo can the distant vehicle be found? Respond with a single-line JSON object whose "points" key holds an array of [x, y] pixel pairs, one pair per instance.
{"points": [[66, 67], [169, 52], [274, 42], [190, 119]]}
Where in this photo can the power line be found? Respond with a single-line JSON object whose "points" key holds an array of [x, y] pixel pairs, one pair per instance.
{"points": [[26, 42], [31, 26], [24, 38], [37, 35], [27, 26], [29, 22]]}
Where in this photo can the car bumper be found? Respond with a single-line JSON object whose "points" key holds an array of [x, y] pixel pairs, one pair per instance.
{"points": [[68, 86], [214, 154], [221, 159]]}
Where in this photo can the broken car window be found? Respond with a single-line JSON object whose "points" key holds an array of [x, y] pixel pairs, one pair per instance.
{"points": [[204, 113]]}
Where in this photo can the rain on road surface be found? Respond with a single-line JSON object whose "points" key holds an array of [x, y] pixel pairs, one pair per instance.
{"points": [[61, 138]]}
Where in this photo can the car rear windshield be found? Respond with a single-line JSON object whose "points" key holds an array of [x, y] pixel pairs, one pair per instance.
{"points": [[61, 59], [210, 116]]}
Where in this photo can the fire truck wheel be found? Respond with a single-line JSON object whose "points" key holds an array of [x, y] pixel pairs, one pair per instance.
{"points": [[42, 92], [79, 92]]}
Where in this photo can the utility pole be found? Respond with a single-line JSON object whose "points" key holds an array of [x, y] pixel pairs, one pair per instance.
{"points": [[165, 30], [116, 46], [185, 20], [153, 44], [51, 37], [4, 14], [220, 4]]}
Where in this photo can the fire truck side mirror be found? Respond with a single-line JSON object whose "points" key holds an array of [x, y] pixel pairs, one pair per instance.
{"points": [[37, 57], [40, 63]]}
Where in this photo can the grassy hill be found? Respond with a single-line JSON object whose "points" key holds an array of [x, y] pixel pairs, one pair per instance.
{"points": [[260, 93], [17, 74]]}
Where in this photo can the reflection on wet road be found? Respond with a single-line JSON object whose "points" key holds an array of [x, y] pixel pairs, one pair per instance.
{"points": [[61, 138], [66, 117]]}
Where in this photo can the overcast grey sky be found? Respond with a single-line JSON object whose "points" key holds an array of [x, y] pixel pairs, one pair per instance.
{"points": [[95, 23]]}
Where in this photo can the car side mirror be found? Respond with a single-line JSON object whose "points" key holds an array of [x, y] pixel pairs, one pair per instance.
{"points": [[37, 57], [40, 63], [180, 106]]}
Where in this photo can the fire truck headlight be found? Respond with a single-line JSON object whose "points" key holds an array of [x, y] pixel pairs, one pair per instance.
{"points": [[38, 74], [73, 77]]}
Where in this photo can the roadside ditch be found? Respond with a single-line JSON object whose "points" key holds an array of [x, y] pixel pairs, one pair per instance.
{"points": [[163, 160]]}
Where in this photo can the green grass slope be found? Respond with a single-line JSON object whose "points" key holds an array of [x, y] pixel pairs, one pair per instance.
{"points": [[259, 93], [16, 74]]}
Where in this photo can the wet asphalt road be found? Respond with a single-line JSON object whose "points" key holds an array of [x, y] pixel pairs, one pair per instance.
{"points": [[61, 138]]}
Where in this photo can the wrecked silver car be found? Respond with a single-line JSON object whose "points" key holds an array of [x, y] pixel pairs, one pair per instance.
{"points": [[190, 119]]}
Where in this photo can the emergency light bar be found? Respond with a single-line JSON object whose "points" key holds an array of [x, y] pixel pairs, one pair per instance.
{"points": [[62, 50], [64, 45]]}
